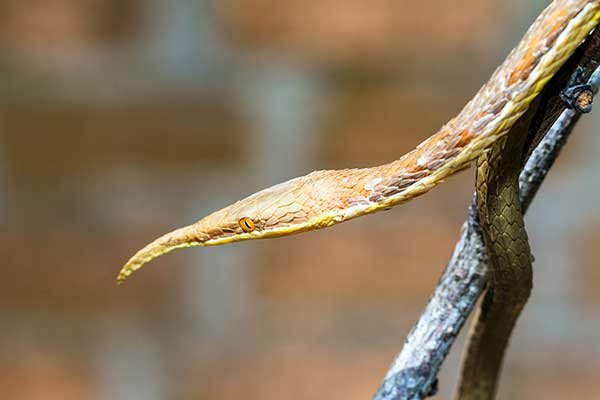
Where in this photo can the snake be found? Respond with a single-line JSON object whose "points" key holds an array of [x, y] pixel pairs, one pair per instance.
{"points": [[485, 130]]}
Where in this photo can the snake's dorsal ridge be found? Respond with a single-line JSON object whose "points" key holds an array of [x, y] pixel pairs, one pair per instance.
{"points": [[325, 198]]}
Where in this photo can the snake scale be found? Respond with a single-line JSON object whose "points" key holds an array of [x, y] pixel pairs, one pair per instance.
{"points": [[510, 260], [479, 132]]}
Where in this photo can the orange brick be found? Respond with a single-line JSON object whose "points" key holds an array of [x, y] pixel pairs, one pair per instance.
{"points": [[292, 371], [63, 30], [74, 271], [173, 134], [41, 375], [393, 264], [363, 33]]}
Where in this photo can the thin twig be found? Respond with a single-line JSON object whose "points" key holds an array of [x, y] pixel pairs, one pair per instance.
{"points": [[413, 375]]}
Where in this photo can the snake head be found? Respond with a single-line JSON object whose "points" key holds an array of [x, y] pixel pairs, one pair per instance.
{"points": [[290, 207]]}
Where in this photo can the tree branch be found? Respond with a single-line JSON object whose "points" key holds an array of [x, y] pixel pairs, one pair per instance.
{"points": [[413, 375]]}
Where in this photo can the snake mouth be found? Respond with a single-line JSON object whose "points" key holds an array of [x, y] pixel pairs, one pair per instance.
{"points": [[183, 237]]}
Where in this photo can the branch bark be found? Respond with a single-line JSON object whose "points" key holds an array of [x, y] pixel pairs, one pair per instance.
{"points": [[413, 374]]}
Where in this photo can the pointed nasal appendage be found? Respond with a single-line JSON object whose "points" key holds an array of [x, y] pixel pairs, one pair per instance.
{"points": [[182, 237]]}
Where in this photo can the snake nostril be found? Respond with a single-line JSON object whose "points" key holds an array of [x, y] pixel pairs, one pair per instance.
{"points": [[247, 224]]}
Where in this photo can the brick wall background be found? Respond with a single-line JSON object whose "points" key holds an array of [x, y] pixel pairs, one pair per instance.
{"points": [[123, 119]]}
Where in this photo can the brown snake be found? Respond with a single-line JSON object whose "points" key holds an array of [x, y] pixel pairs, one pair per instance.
{"points": [[480, 131]]}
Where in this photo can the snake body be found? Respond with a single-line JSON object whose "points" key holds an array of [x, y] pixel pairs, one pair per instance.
{"points": [[490, 128], [325, 198], [509, 255]]}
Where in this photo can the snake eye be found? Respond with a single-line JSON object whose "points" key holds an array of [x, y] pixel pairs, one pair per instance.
{"points": [[247, 224]]}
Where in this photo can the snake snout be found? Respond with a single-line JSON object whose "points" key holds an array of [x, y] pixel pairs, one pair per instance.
{"points": [[183, 237]]}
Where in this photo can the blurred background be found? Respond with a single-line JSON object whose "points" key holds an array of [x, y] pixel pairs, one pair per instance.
{"points": [[123, 119]]}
